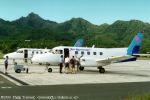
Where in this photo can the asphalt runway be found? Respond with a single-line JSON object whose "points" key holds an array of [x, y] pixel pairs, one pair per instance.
{"points": [[4, 82], [109, 91]]}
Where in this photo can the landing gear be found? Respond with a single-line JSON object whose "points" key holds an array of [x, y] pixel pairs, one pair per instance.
{"points": [[18, 70], [81, 68], [50, 70], [101, 69]]}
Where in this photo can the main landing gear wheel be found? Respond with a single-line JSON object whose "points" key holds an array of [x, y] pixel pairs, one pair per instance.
{"points": [[101, 70], [50, 70], [81, 68], [18, 70]]}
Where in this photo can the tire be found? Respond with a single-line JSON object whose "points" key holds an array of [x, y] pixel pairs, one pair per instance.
{"points": [[102, 70], [50, 70], [81, 68], [18, 70]]}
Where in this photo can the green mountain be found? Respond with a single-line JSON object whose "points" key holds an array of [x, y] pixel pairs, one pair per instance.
{"points": [[46, 33]]}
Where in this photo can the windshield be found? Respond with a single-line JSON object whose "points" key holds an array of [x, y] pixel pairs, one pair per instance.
{"points": [[20, 51], [57, 51], [50, 51]]}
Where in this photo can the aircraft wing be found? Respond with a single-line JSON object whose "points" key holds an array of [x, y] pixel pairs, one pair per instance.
{"points": [[116, 59]]}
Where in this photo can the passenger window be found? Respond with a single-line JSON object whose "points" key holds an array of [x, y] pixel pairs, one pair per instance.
{"points": [[32, 52], [101, 53], [76, 52], [94, 53], [88, 53], [50, 51], [41, 52], [45, 52], [61, 52], [82, 52], [37, 52]]}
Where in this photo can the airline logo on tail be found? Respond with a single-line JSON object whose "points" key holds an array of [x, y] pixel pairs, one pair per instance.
{"points": [[79, 43], [134, 47], [138, 40]]}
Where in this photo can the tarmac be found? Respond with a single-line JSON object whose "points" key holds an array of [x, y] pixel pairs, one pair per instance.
{"points": [[137, 71], [121, 81]]}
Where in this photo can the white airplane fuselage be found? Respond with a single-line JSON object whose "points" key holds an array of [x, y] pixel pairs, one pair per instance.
{"points": [[26, 53], [88, 55]]}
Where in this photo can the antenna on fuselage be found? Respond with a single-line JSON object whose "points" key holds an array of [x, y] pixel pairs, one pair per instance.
{"points": [[93, 46]]}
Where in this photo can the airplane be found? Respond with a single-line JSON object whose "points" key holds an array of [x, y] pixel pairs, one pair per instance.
{"points": [[96, 57], [28, 53]]}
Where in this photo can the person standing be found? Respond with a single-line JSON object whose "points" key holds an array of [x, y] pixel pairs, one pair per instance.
{"points": [[6, 64], [61, 63], [72, 62], [67, 60], [78, 64]]}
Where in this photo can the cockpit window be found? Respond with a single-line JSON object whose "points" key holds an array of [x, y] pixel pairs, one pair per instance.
{"points": [[20, 51], [50, 51], [57, 51]]}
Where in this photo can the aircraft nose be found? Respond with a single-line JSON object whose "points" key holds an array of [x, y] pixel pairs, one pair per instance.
{"points": [[44, 58], [37, 58], [34, 59]]}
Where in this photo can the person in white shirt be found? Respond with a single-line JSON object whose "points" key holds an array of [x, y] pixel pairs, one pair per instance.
{"points": [[67, 60]]}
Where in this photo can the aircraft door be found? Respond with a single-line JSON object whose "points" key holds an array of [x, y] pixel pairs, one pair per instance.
{"points": [[25, 55], [66, 52]]}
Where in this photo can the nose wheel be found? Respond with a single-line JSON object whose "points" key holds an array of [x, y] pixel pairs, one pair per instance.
{"points": [[50, 70], [81, 68]]}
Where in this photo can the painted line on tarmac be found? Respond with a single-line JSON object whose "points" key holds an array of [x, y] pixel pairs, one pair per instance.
{"points": [[13, 79], [6, 87]]}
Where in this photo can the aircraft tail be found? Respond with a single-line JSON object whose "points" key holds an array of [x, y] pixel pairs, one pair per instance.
{"points": [[134, 47], [79, 43]]}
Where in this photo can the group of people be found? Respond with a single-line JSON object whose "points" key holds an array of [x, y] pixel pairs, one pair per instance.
{"points": [[69, 64]]}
